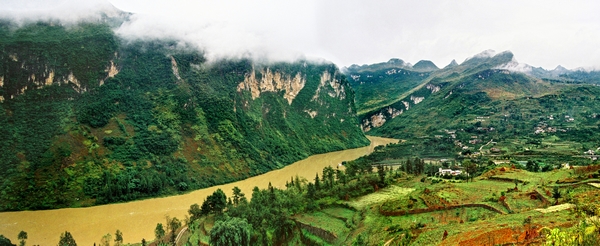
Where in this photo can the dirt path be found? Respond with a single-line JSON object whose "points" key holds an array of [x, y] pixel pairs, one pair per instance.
{"points": [[556, 208], [491, 140], [179, 235]]}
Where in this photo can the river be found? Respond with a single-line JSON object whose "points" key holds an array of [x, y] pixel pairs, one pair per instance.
{"points": [[138, 219]]}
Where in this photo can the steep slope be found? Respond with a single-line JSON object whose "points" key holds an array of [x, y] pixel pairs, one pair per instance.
{"points": [[381, 84], [474, 106], [429, 84], [88, 118]]}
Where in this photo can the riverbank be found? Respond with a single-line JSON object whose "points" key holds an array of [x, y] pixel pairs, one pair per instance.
{"points": [[138, 219]]}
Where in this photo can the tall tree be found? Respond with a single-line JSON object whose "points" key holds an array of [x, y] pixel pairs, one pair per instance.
{"points": [[118, 238], [328, 176], [381, 174], [218, 201], [239, 195], [105, 240], [341, 176], [232, 231], [471, 168], [317, 182], [195, 212], [66, 239], [22, 237], [408, 167], [174, 225], [159, 232]]}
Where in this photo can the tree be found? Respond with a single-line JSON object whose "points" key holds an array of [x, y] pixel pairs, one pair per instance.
{"points": [[106, 239], [341, 176], [232, 231], [317, 182], [471, 168], [556, 194], [5, 241], [310, 191], [328, 176], [408, 166], [22, 236], [215, 202], [381, 173], [195, 212], [118, 238], [284, 227], [174, 224], [531, 166], [143, 242], [419, 165], [159, 232], [238, 195], [66, 239]]}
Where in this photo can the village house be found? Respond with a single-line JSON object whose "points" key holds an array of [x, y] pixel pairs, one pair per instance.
{"points": [[443, 172]]}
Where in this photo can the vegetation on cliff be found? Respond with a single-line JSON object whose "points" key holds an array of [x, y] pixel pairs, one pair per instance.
{"points": [[88, 118]]}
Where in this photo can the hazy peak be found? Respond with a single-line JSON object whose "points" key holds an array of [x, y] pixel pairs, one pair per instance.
{"points": [[398, 62], [425, 65], [453, 63]]}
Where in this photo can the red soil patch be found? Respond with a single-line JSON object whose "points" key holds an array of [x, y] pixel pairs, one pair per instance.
{"points": [[520, 236]]}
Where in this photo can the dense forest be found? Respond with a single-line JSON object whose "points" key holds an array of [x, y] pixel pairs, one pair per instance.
{"points": [[89, 118]]}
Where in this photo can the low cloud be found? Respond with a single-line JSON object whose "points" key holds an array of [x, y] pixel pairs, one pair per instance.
{"points": [[65, 11], [539, 32]]}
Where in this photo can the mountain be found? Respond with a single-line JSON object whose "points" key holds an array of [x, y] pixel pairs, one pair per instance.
{"points": [[425, 66], [488, 98], [392, 63], [382, 84], [379, 84], [453, 63], [90, 118]]}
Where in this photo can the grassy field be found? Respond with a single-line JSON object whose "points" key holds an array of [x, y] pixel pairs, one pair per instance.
{"points": [[379, 197]]}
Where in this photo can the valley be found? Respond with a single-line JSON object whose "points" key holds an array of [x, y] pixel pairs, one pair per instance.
{"points": [[137, 219], [102, 134]]}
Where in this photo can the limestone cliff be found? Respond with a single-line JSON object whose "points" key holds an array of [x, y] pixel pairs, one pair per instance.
{"points": [[269, 81], [82, 103]]}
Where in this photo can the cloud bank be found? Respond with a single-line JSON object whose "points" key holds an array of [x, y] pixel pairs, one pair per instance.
{"points": [[67, 11], [543, 33]]}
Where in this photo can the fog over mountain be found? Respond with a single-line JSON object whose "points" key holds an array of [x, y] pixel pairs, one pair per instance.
{"points": [[543, 33]]}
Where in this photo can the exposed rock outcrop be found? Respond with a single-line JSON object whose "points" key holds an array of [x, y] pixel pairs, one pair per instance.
{"points": [[272, 82], [336, 88]]}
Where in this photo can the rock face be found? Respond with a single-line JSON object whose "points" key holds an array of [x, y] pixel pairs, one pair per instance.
{"points": [[146, 110], [337, 90], [269, 81]]}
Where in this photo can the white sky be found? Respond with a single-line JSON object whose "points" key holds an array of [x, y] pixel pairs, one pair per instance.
{"points": [[540, 33]]}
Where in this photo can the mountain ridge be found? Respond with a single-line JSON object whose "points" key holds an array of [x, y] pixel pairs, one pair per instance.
{"points": [[91, 118]]}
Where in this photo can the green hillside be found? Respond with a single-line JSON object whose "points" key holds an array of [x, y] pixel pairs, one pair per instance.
{"points": [[381, 84], [474, 109], [88, 118]]}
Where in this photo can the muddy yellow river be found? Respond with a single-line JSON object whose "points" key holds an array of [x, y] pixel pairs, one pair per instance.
{"points": [[138, 219]]}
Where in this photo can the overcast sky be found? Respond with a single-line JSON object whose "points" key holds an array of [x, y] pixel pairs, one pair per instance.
{"points": [[540, 33]]}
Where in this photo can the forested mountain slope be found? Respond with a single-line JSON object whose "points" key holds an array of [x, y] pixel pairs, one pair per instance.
{"points": [[89, 118], [482, 106]]}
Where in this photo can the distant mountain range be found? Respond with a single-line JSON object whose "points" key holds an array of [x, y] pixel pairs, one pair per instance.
{"points": [[440, 111], [503, 60]]}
